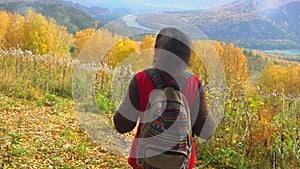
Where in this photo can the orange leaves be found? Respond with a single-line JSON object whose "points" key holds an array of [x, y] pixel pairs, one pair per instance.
{"points": [[262, 130]]}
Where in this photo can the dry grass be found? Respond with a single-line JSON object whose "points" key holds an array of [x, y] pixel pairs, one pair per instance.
{"points": [[47, 137]]}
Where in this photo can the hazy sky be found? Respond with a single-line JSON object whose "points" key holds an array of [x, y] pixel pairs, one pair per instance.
{"points": [[155, 4]]}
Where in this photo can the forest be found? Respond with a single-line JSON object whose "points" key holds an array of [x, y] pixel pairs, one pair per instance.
{"points": [[39, 124]]}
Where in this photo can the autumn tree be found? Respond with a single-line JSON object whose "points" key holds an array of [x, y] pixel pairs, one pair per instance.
{"points": [[4, 20], [44, 36], [280, 78], [15, 35], [36, 33], [148, 42], [199, 57], [146, 53], [235, 63], [123, 49], [81, 39], [60, 39], [96, 47]]}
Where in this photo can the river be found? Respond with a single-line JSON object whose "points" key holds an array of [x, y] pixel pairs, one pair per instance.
{"points": [[291, 52], [131, 22]]}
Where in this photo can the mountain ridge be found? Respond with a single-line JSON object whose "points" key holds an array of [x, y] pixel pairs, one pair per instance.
{"points": [[64, 14], [252, 24], [249, 24]]}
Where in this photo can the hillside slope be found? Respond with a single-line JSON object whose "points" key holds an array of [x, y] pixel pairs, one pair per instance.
{"points": [[72, 18], [252, 23]]}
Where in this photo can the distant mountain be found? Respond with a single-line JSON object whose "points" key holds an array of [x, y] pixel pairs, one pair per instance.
{"points": [[64, 13], [101, 14], [287, 18], [112, 14], [251, 23], [93, 11]]}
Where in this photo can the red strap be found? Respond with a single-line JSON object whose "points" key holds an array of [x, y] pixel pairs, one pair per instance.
{"points": [[190, 90], [145, 87]]}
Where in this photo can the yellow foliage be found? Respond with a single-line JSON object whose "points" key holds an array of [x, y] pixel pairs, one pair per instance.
{"points": [[81, 39], [17, 25], [147, 43], [278, 78], [232, 58], [120, 51], [97, 46], [4, 20], [202, 56], [60, 40], [34, 32], [145, 54], [197, 66]]}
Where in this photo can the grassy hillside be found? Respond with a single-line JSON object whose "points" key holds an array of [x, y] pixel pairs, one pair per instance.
{"points": [[41, 96], [70, 17], [39, 127], [35, 136]]}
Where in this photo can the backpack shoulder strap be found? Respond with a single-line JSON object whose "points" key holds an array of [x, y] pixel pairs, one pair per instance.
{"points": [[184, 80], [159, 82], [157, 79]]}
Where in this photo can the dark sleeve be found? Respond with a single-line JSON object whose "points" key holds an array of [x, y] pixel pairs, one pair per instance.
{"points": [[126, 117], [204, 125]]}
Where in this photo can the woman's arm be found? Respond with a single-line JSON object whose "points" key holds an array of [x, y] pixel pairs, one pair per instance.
{"points": [[204, 125], [126, 117]]}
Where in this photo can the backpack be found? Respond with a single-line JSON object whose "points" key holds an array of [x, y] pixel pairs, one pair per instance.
{"points": [[164, 140]]}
